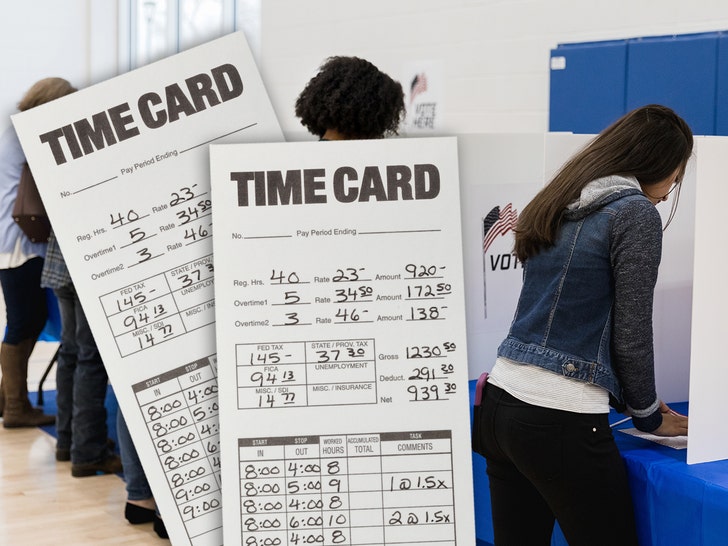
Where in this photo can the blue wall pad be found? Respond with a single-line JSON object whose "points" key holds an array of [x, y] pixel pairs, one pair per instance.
{"points": [[677, 71], [721, 113], [587, 86]]}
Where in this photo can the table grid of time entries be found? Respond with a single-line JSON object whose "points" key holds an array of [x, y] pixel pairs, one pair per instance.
{"points": [[180, 408], [351, 489]]}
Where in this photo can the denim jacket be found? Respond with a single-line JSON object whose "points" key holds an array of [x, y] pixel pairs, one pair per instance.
{"points": [[585, 309]]}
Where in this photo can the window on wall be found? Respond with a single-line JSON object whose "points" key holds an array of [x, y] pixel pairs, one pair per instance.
{"points": [[159, 28]]}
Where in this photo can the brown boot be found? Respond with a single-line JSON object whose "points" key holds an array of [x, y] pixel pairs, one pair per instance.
{"points": [[18, 411], [2, 401], [25, 346], [28, 345]]}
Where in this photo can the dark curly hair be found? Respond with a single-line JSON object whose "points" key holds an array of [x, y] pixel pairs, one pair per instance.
{"points": [[352, 96]]}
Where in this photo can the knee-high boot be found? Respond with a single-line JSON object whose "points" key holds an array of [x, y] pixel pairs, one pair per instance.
{"points": [[2, 390], [18, 411]]}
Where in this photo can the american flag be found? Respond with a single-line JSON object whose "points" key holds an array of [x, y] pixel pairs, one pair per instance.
{"points": [[498, 222], [418, 85]]}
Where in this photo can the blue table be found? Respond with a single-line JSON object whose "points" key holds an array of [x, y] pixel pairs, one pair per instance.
{"points": [[676, 504]]}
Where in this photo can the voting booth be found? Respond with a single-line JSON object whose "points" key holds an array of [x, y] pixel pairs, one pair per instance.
{"points": [[505, 171]]}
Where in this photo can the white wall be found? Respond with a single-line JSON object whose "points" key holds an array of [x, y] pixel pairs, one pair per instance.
{"points": [[73, 39], [494, 54]]}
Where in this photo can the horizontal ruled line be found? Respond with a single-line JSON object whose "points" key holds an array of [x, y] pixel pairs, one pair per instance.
{"points": [[399, 231], [297, 324], [357, 322], [185, 201], [139, 240], [218, 138], [147, 260], [198, 240], [200, 217], [94, 185], [129, 222], [270, 237]]}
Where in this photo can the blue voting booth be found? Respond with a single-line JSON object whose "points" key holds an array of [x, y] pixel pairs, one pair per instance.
{"points": [[587, 86], [52, 329], [721, 118], [594, 83]]}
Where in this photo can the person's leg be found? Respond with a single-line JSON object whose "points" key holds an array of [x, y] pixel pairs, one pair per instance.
{"points": [[65, 371], [26, 308], [137, 486], [572, 461], [593, 503], [26, 312], [140, 505], [520, 514], [90, 453]]}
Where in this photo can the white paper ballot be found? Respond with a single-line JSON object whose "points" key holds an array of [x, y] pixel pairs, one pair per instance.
{"points": [[123, 169], [675, 442], [341, 343]]}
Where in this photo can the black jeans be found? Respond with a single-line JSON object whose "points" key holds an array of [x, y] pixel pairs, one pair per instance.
{"points": [[25, 301], [546, 465], [81, 382]]}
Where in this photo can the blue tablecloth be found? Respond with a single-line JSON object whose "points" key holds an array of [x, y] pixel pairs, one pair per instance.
{"points": [[676, 504]]}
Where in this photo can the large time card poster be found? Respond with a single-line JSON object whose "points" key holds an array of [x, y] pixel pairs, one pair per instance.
{"points": [[341, 343], [123, 169]]}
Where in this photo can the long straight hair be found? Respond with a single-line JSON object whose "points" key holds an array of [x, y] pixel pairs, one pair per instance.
{"points": [[649, 143]]}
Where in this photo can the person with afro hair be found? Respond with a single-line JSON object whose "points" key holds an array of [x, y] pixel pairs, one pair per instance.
{"points": [[350, 98]]}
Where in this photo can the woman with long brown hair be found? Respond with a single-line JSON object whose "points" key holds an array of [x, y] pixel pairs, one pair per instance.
{"points": [[581, 338], [21, 263]]}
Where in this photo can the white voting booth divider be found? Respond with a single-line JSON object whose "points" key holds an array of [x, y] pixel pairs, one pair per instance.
{"points": [[707, 438]]}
